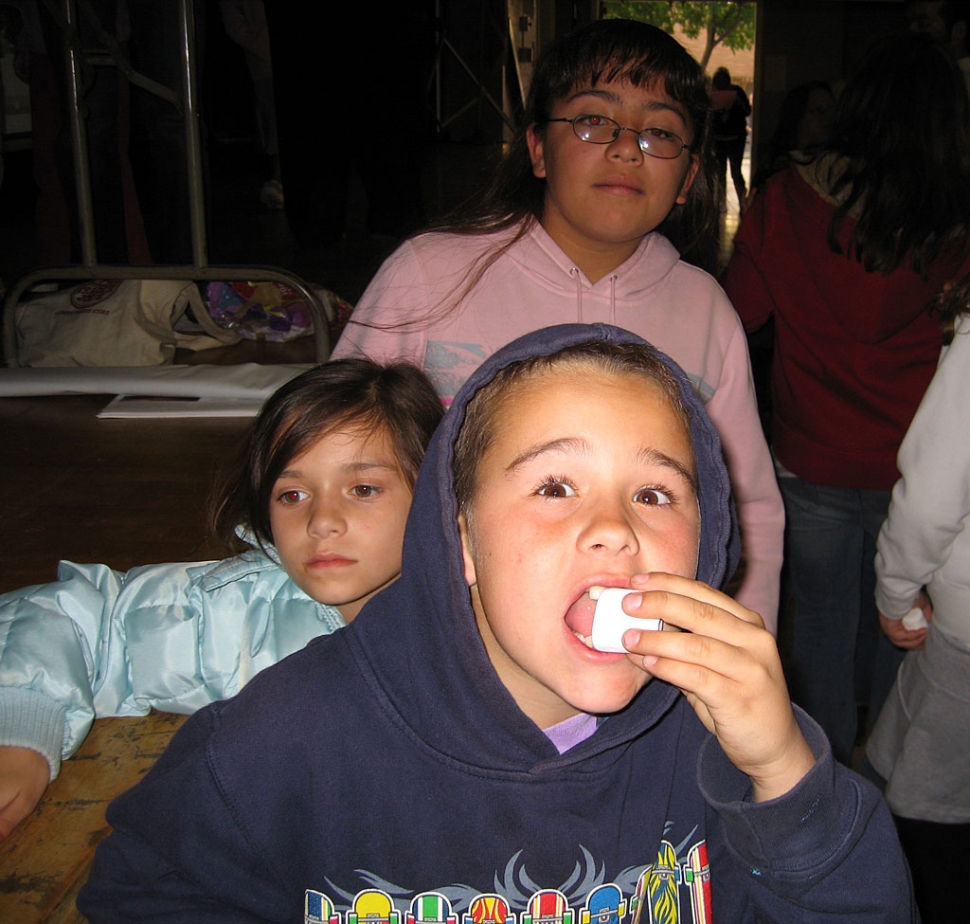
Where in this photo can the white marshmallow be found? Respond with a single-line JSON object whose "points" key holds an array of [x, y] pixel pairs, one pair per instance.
{"points": [[610, 622], [915, 619]]}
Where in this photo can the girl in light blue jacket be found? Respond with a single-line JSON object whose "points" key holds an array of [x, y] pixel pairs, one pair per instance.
{"points": [[319, 503]]}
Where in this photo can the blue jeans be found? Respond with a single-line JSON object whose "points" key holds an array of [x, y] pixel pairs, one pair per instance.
{"points": [[839, 657]]}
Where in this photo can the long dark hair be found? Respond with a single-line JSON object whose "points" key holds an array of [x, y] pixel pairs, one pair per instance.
{"points": [[340, 394], [602, 51], [784, 139], [901, 137]]}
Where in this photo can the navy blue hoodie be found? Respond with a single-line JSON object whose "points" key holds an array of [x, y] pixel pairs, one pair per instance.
{"points": [[384, 775]]}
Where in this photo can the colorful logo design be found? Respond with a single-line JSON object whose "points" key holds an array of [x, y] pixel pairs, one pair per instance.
{"points": [[431, 908], [318, 909], [657, 890], [604, 905], [655, 898], [488, 909], [697, 874], [373, 907], [548, 907]]}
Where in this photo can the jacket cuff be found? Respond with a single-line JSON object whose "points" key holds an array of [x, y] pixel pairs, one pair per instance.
{"points": [[893, 607], [796, 832], [29, 719]]}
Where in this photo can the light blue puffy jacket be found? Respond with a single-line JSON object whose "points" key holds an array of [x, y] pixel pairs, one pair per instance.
{"points": [[173, 637]]}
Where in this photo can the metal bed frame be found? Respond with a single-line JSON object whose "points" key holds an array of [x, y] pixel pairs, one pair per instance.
{"points": [[187, 101]]}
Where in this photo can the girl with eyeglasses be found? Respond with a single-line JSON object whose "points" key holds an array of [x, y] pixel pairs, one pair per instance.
{"points": [[608, 182]]}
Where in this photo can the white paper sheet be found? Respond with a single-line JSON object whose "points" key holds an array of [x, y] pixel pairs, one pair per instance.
{"points": [[251, 381], [131, 406]]}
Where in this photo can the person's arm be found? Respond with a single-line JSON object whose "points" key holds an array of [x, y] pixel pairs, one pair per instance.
{"points": [[903, 635], [744, 104], [761, 511], [744, 277], [24, 774], [728, 666], [827, 850], [928, 512], [809, 840], [51, 642], [931, 500], [99, 643], [56, 643]]}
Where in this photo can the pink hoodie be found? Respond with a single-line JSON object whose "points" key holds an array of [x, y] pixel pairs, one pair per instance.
{"points": [[675, 306]]}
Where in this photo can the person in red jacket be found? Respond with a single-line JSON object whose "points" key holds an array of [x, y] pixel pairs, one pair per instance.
{"points": [[848, 253]]}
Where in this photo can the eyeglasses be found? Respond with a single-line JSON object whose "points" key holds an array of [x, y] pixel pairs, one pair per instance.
{"points": [[597, 129]]}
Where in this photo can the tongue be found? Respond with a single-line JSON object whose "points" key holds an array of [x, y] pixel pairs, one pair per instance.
{"points": [[579, 616]]}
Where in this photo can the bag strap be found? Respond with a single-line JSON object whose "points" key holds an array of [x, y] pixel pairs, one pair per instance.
{"points": [[204, 319]]}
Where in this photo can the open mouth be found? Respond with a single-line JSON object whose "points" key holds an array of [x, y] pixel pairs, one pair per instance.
{"points": [[579, 616]]}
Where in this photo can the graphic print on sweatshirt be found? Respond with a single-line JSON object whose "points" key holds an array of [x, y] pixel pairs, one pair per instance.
{"points": [[448, 364], [675, 889]]}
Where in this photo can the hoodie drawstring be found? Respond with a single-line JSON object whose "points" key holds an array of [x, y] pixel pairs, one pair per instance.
{"points": [[574, 272], [578, 279]]}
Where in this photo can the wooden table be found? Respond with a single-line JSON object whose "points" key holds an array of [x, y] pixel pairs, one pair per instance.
{"points": [[124, 492], [45, 861]]}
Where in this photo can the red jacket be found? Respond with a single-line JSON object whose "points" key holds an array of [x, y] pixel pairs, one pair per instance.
{"points": [[854, 350]]}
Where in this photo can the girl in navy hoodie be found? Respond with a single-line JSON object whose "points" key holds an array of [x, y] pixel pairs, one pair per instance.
{"points": [[461, 749]]}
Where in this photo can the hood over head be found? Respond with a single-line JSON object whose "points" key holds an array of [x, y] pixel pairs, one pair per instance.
{"points": [[419, 637]]}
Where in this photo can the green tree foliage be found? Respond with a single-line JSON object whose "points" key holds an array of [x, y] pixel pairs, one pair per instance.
{"points": [[727, 23]]}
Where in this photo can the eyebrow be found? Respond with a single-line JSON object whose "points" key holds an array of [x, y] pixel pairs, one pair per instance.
{"points": [[564, 446], [354, 467], [656, 457], [608, 96], [577, 446]]}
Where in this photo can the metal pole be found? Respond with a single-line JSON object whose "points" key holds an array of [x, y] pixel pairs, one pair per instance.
{"points": [[193, 144], [79, 143]]}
